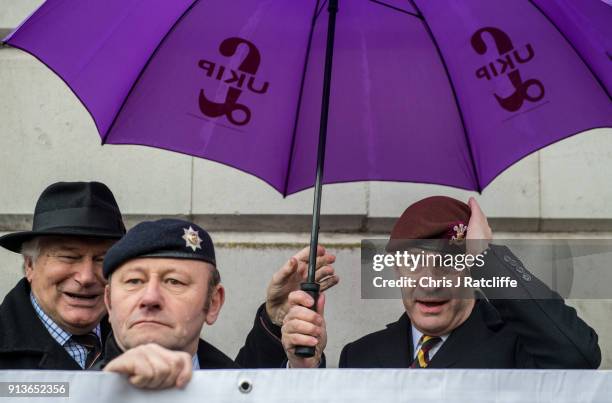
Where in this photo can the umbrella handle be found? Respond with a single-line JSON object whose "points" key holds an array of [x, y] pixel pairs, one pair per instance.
{"points": [[311, 289]]}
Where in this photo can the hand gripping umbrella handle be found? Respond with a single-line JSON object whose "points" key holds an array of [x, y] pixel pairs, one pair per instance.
{"points": [[311, 289], [310, 286]]}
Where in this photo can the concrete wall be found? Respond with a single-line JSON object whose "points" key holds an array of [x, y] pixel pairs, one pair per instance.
{"points": [[46, 135]]}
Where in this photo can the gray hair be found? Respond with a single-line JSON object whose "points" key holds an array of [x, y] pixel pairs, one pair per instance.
{"points": [[31, 249]]}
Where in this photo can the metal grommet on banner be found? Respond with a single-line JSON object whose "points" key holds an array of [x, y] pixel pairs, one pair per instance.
{"points": [[245, 386]]}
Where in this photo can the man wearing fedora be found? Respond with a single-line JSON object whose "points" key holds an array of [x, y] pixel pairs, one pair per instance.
{"points": [[529, 327], [54, 318]]}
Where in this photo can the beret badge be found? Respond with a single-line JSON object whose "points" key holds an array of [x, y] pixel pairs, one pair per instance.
{"points": [[457, 232], [192, 239]]}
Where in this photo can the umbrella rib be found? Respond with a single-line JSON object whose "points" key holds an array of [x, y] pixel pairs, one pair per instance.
{"points": [[299, 104], [144, 68], [452, 85], [419, 16], [320, 9], [603, 87]]}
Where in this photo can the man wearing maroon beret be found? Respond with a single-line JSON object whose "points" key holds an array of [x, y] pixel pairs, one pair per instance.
{"points": [[528, 327]]}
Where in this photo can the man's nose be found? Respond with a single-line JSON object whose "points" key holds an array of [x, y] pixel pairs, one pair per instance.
{"points": [[152, 297], [89, 273]]}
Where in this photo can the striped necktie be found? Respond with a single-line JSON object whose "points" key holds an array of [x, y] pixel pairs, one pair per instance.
{"points": [[92, 343], [422, 358]]}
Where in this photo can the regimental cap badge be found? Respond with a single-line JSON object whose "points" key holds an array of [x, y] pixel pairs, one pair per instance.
{"points": [[192, 239], [457, 232]]}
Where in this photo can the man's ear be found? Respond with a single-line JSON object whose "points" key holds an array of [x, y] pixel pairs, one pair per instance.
{"points": [[28, 266], [107, 302], [216, 302]]}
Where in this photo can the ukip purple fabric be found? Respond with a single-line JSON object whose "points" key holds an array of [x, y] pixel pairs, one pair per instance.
{"points": [[448, 91]]}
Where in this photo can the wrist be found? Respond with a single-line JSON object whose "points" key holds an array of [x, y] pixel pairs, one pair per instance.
{"points": [[274, 315]]}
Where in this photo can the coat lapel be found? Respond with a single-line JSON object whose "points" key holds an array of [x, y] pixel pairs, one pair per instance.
{"points": [[397, 350], [466, 339]]}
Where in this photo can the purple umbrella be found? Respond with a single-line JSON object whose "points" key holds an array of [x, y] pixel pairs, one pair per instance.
{"points": [[448, 91]]}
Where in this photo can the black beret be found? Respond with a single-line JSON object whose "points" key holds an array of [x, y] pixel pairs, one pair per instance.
{"points": [[168, 238]]}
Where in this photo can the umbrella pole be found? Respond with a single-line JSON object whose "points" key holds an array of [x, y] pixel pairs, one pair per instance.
{"points": [[311, 286]]}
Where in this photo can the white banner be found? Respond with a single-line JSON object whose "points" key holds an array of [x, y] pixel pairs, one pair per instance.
{"points": [[331, 385]]}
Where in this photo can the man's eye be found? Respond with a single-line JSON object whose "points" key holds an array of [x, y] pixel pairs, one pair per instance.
{"points": [[69, 257], [173, 281], [133, 281]]}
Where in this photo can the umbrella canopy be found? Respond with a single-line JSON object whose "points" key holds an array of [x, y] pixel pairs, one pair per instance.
{"points": [[448, 92]]}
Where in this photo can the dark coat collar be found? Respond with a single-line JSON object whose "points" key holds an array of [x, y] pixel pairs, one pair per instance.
{"points": [[469, 333], [208, 355], [397, 349], [23, 333]]}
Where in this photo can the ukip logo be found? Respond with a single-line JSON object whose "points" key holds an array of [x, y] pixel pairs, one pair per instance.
{"points": [[508, 64], [238, 80]]}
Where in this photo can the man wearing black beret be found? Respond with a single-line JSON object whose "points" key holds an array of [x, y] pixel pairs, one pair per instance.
{"points": [[447, 329], [163, 286], [52, 318]]}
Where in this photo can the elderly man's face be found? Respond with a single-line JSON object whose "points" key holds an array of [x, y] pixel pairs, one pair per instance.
{"points": [[433, 309], [67, 281], [163, 301]]}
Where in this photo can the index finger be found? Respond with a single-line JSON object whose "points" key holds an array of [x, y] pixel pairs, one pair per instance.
{"points": [[476, 211], [304, 254], [300, 298], [124, 364]]}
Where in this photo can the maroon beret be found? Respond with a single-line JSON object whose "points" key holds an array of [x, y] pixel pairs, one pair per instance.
{"points": [[436, 217]]}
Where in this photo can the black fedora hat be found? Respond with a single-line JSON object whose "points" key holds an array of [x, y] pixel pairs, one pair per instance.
{"points": [[86, 209]]}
